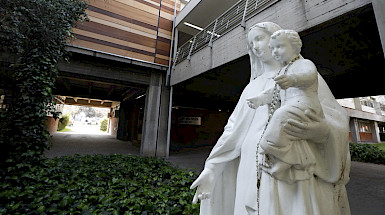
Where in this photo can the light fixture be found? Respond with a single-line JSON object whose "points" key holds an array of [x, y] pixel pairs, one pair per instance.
{"points": [[193, 26], [140, 96]]}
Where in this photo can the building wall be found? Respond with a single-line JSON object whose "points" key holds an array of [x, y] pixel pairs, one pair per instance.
{"points": [[139, 29], [203, 131], [51, 124], [366, 122]]}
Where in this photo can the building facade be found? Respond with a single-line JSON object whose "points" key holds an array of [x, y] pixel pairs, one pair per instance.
{"points": [[367, 118], [177, 68], [136, 29], [345, 39]]}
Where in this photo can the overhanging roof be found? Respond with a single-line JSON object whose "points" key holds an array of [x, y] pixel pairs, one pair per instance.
{"points": [[201, 13]]}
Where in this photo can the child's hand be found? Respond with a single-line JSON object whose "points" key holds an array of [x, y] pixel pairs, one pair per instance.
{"points": [[285, 81]]}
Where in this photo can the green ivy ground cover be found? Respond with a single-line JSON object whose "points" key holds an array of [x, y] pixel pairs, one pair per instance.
{"points": [[99, 184]]}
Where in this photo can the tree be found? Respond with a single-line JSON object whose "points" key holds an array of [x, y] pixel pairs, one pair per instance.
{"points": [[34, 33]]}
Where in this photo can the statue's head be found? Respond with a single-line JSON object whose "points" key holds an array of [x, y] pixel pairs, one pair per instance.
{"points": [[285, 45], [268, 27], [259, 38]]}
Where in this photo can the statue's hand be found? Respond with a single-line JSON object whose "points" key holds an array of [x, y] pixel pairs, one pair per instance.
{"points": [[254, 102], [309, 126], [205, 183], [285, 81]]}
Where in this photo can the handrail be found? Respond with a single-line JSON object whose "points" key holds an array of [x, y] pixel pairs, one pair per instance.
{"points": [[238, 14]]}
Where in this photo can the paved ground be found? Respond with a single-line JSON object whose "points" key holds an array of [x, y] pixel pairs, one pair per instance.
{"points": [[366, 188], [68, 143]]}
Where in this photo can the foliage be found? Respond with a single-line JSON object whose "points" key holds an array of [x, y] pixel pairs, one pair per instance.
{"points": [[34, 34], [380, 146], [103, 125], [63, 122], [367, 153], [112, 184]]}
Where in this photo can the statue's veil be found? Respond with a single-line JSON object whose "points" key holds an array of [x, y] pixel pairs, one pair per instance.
{"points": [[256, 65]]}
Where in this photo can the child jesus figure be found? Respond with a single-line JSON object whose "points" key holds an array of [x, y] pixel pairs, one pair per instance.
{"points": [[288, 158]]}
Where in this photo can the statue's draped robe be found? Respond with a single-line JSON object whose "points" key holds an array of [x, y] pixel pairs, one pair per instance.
{"points": [[235, 191]]}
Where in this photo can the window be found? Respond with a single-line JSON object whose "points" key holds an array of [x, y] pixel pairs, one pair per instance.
{"points": [[367, 102], [382, 106], [364, 126]]}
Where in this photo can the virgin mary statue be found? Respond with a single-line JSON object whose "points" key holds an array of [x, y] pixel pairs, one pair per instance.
{"points": [[231, 183]]}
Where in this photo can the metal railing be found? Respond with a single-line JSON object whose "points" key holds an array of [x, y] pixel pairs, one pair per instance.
{"points": [[236, 15]]}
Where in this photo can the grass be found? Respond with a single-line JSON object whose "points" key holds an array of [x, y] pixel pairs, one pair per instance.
{"points": [[380, 146]]}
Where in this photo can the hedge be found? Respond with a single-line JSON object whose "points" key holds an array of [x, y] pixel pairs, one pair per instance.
{"points": [[34, 34], [98, 184], [367, 153], [63, 122], [103, 125]]}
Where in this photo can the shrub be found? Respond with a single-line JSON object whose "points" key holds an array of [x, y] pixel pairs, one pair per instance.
{"points": [[366, 153], [103, 125], [99, 184], [34, 34], [63, 122]]}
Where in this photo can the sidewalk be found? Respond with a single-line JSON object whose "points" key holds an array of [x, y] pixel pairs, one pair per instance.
{"points": [[366, 189], [67, 143]]}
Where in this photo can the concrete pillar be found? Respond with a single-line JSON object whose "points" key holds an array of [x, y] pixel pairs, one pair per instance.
{"points": [[357, 104], [151, 116], [375, 132], [162, 149], [377, 107], [155, 122], [114, 121], [354, 130], [51, 124], [123, 121], [133, 123], [379, 12]]}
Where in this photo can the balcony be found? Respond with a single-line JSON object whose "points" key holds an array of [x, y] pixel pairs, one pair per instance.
{"points": [[236, 15]]}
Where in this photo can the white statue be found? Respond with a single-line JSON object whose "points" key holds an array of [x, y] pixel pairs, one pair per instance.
{"points": [[239, 179], [288, 158]]}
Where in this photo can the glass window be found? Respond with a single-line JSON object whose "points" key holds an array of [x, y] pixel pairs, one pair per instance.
{"points": [[364, 126], [367, 102]]}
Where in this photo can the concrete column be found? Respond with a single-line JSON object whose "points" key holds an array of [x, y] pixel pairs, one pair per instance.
{"points": [[114, 121], [375, 132], [354, 130], [379, 12], [377, 107], [122, 121], [151, 116], [155, 122], [357, 104], [133, 124], [162, 149]]}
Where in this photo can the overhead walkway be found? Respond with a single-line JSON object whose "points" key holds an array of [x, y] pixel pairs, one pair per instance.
{"points": [[337, 35], [132, 88]]}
